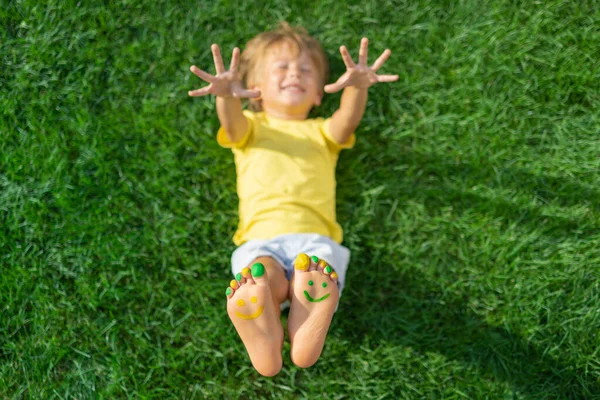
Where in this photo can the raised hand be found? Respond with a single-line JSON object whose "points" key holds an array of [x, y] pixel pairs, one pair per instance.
{"points": [[224, 83], [361, 76]]}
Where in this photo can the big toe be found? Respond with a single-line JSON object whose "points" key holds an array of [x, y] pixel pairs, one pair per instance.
{"points": [[302, 262], [259, 273]]}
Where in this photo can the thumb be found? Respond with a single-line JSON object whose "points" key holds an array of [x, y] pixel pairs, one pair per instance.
{"points": [[332, 88]]}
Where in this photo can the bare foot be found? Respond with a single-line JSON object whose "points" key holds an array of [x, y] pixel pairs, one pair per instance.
{"points": [[251, 309], [314, 299]]}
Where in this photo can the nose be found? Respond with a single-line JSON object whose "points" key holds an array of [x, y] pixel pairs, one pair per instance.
{"points": [[293, 72]]}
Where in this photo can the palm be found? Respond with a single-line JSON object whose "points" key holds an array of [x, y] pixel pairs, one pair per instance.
{"points": [[224, 83], [360, 75]]}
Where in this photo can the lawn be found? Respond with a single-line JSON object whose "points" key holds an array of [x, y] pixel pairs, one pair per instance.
{"points": [[471, 202]]}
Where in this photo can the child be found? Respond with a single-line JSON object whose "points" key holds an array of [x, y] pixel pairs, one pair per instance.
{"points": [[285, 166]]}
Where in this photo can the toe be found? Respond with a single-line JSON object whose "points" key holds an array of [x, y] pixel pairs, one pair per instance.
{"points": [[314, 263], [247, 275], [334, 276], [302, 262], [241, 280], [246, 272], [258, 272], [322, 265], [329, 271], [230, 291]]}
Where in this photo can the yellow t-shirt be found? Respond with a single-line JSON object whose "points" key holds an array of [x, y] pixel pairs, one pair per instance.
{"points": [[285, 177]]}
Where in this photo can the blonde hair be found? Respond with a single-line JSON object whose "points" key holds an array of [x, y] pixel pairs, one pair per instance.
{"points": [[299, 41]]}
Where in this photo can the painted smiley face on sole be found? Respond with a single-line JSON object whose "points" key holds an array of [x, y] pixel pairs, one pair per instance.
{"points": [[256, 314], [251, 316], [309, 298], [313, 300]]}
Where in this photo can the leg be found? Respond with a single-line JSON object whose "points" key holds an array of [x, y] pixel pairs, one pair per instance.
{"points": [[314, 295], [252, 310]]}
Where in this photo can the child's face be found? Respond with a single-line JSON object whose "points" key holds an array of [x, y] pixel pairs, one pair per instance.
{"points": [[290, 85]]}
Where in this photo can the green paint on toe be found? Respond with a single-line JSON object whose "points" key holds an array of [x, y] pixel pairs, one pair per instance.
{"points": [[328, 269], [315, 259], [258, 270], [238, 276], [228, 291]]}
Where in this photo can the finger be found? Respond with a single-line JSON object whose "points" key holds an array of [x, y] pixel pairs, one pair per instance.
{"points": [[235, 59], [218, 59], [387, 78], [237, 90], [334, 87], [250, 94], [346, 57], [200, 92], [201, 74], [363, 52], [382, 58]]}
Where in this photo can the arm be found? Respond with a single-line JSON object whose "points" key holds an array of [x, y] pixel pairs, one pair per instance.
{"points": [[355, 82], [229, 110], [346, 119], [226, 85]]}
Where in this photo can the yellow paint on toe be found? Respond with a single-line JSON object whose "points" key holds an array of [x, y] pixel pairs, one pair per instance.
{"points": [[233, 284], [302, 262], [251, 316], [334, 275], [246, 272], [241, 303], [322, 263]]}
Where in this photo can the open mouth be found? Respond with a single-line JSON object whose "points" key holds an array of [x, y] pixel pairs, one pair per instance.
{"points": [[309, 297], [250, 316]]}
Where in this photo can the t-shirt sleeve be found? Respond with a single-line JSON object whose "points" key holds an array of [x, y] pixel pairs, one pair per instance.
{"points": [[224, 141], [331, 142]]}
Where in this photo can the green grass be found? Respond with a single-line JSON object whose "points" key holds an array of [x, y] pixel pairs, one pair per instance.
{"points": [[470, 203]]}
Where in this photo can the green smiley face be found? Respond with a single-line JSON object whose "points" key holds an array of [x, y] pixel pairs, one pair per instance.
{"points": [[310, 298]]}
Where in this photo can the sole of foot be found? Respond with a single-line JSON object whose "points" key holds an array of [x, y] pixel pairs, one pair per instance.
{"points": [[314, 300], [252, 311]]}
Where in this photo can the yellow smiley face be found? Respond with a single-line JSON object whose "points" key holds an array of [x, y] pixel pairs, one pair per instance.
{"points": [[256, 314]]}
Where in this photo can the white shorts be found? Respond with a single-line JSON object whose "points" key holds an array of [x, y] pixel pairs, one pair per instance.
{"points": [[285, 249]]}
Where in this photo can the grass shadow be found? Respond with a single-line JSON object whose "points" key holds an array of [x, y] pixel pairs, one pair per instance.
{"points": [[422, 317], [410, 311]]}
